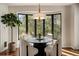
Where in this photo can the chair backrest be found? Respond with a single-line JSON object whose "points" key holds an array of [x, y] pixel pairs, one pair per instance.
{"points": [[32, 51], [51, 49], [49, 35], [23, 49]]}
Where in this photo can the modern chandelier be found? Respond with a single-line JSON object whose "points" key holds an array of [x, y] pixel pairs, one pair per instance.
{"points": [[39, 15]]}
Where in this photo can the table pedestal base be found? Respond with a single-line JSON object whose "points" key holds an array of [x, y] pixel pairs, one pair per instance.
{"points": [[40, 47]]}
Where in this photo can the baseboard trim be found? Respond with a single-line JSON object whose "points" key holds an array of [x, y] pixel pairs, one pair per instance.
{"points": [[4, 50], [67, 47], [70, 48]]}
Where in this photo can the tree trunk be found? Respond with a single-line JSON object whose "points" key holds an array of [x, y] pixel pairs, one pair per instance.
{"points": [[11, 34], [12, 43]]}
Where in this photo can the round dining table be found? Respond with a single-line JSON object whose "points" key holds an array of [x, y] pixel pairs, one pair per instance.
{"points": [[40, 44]]}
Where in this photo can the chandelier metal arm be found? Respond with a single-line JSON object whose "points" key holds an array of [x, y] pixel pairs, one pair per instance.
{"points": [[39, 7]]}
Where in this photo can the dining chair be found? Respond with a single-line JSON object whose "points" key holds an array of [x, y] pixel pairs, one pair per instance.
{"points": [[51, 49], [24, 50], [32, 50]]}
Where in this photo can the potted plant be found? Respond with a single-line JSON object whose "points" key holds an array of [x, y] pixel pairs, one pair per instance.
{"points": [[11, 20]]}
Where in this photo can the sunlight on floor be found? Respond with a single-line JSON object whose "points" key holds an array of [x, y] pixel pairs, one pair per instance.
{"points": [[69, 53], [65, 54]]}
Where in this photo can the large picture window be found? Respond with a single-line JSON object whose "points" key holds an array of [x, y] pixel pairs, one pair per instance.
{"points": [[39, 27], [51, 25], [48, 25], [57, 26], [22, 28], [30, 25]]}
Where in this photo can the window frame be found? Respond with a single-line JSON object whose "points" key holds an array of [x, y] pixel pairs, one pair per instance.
{"points": [[35, 24], [52, 29]]}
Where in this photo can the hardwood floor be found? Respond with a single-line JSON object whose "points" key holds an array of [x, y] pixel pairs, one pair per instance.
{"points": [[69, 52], [7, 53], [65, 52]]}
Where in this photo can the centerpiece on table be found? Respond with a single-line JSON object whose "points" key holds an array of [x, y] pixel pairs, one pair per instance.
{"points": [[39, 38], [39, 32]]}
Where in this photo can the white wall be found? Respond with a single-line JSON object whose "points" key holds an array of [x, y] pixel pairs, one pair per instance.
{"points": [[66, 23], [75, 26], [71, 27], [3, 28]]}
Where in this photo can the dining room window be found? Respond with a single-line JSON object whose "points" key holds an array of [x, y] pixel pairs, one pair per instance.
{"points": [[48, 25], [30, 25], [51, 25], [27, 25], [39, 27], [57, 26], [22, 27]]}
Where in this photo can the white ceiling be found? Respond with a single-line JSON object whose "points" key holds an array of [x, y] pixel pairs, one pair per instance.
{"points": [[34, 4]]}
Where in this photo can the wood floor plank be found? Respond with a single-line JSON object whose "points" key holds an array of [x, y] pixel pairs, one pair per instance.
{"points": [[65, 52], [69, 51]]}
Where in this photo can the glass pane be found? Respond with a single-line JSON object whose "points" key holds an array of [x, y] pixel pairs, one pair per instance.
{"points": [[48, 25], [30, 25], [22, 28], [57, 31], [39, 27]]}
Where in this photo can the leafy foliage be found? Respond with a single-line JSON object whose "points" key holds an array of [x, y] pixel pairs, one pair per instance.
{"points": [[10, 20]]}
